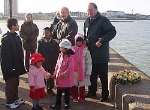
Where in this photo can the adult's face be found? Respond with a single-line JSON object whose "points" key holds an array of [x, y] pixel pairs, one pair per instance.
{"points": [[64, 13], [91, 10], [29, 18]]}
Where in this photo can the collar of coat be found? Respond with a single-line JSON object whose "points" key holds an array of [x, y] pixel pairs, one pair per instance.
{"points": [[47, 40], [91, 19], [67, 19]]}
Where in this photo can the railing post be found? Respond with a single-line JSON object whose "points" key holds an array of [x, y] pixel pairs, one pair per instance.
{"points": [[10, 8]]}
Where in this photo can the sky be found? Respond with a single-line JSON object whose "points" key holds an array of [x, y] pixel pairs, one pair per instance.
{"points": [[138, 6]]}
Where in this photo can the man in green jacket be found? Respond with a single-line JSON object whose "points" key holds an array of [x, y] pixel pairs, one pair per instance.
{"points": [[98, 32]]}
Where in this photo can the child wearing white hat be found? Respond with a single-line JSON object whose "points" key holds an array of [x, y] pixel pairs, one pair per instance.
{"points": [[63, 74]]}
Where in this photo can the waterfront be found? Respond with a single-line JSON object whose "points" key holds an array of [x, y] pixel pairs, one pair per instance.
{"points": [[132, 40]]}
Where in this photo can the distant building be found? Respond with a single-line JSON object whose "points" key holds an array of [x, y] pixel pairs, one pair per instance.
{"points": [[115, 13], [14, 7]]}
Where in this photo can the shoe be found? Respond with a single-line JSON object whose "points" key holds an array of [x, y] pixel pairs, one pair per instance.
{"points": [[20, 101], [12, 105], [89, 95], [50, 92], [104, 99], [34, 108], [55, 107], [39, 107], [75, 100], [67, 107], [81, 100]]}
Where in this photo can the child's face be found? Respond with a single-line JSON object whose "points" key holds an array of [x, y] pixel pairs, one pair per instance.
{"points": [[38, 64], [47, 34], [15, 27], [63, 50], [79, 43]]}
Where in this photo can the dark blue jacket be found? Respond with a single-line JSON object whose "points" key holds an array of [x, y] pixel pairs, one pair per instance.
{"points": [[95, 28], [12, 57], [50, 50]]}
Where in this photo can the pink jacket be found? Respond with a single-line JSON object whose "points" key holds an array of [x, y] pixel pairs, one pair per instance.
{"points": [[64, 71], [79, 62], [36, 77]]}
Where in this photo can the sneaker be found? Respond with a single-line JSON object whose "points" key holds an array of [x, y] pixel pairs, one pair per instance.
{"points": [[55, 107], [19, 101], [67, 107], [12, 105], [75, 100]]}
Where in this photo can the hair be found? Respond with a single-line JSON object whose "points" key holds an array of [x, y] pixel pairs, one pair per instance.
{"points": [[11, 22], [66, 9], [28, 14], [79, 39], [94, 5], [69, 52], [48, 29]]}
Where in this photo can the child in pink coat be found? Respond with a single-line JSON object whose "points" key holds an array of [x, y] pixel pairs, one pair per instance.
{"points": [[83, 68], [63, 74], [36, 77]]}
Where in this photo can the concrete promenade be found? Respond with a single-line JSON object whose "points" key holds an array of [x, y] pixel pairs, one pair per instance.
{"points": [[116, 64]]}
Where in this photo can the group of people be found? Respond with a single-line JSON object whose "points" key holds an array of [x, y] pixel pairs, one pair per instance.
{"points": [[63, 58]]}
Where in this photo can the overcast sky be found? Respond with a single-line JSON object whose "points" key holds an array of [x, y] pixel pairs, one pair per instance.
{"points": [[138, 6]]}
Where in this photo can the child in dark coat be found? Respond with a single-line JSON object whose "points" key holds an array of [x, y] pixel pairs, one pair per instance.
{"points": [[50, 50]]}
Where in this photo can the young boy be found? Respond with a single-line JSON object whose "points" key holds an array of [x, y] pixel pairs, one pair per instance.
{"points": [[50, 50], [12, 63]]}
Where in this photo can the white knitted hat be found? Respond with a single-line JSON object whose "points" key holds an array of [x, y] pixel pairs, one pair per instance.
{"points": [[65, 43], [79, 35]]}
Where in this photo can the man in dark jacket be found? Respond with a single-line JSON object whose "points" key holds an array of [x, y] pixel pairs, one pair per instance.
{"points": [[29, 33], [12, 63], [98, 32], [66, 27], [50, 50]]}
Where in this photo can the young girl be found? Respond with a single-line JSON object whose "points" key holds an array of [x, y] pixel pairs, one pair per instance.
{"points": [[83, 68], [37, 74], [63, 74]]}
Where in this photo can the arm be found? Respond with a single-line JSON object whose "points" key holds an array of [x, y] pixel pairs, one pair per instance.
{"points": [[36, 33], [39, 48], [88, 63], [72, 31], [31, 78], [7, 58], [22, 32], [109, 31]]}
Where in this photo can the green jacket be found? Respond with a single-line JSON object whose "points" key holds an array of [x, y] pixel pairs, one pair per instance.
{"points": [[95, 28]]}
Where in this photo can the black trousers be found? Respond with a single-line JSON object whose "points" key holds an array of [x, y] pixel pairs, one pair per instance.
{"points": [[99, 70], [11, 89], [66, 92]]}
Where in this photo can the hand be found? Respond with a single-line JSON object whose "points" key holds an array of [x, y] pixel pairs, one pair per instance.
{"points": [[53, 76], [48, 75], [98, 44]]}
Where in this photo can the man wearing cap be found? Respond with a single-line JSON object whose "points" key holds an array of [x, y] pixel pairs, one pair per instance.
{"points": [[98, 31]]}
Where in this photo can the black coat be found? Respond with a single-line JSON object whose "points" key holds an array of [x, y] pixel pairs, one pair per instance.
{"points": [[50, 50], [12, 57], [95, 28]]}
